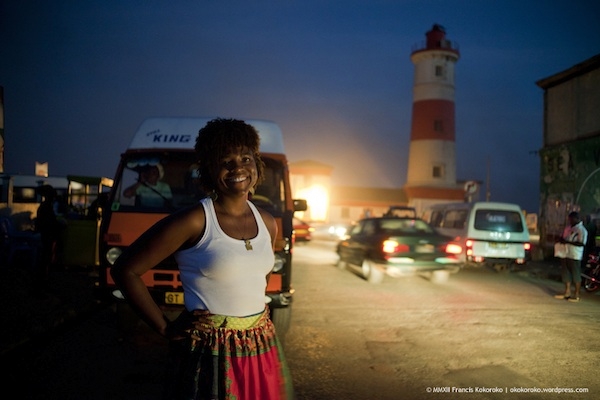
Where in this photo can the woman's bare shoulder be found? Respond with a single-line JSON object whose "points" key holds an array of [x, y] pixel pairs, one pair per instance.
{"points": [[193, 215], [269, 220]]}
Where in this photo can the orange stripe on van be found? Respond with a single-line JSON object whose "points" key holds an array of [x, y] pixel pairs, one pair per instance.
{"points": [[274, 284], [125, 227]]}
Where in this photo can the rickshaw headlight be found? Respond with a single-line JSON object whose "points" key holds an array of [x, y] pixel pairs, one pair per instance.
{"points": [[279, 263], [112, 254]]}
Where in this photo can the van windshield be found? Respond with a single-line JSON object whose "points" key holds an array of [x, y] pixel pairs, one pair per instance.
{"points": [[498, 220], [167, 181]]}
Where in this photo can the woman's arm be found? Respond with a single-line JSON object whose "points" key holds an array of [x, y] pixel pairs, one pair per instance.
{"points": [[272, 228], [160, 241]]}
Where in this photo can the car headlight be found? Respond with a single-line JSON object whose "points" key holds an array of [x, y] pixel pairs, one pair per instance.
{"points": [[279, 263], [112, 254]]}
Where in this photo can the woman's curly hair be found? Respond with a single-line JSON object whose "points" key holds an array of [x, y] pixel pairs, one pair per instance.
{"points": [[216, 139]]}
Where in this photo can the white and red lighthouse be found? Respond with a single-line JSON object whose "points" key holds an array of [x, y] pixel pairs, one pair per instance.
{"points": [[431, 175]]}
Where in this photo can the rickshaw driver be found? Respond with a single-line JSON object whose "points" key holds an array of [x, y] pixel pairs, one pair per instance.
{"points": [[151, 191]]}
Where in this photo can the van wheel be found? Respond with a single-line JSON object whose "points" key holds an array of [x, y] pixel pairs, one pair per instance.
{"points": [[370, 271], [282, 319]]}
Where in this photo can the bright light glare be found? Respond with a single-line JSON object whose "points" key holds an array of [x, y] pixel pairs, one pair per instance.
{"points": [[318, 201], [389, 246], [338, 231], [452, 248]]}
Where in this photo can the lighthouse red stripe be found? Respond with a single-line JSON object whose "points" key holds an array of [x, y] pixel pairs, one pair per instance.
{"points": [[433, 119]]}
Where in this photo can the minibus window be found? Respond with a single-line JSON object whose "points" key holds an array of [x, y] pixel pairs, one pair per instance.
{"points": [[436, 219], [455, 219], [498, 220], [24, 195]]}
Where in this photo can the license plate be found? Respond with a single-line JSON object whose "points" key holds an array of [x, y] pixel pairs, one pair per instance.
{"points": [[424, 248], [174, 298], [495, 245]]}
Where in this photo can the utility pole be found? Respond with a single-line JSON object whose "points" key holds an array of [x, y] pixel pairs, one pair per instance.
{"points": [[488, 195]]}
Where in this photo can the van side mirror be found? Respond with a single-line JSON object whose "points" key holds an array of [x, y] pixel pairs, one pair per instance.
{"points": [[300, 205]]}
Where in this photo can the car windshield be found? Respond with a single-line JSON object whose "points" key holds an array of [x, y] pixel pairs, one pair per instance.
{"points": [[403, 226]]}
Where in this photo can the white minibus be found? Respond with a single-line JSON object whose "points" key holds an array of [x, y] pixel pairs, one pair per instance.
{"points": [[490, 233]]}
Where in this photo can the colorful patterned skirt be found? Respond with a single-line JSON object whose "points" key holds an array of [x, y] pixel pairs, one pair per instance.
{"points": [[238, 358]]}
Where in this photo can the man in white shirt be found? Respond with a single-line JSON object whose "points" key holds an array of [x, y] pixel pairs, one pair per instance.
{"points": [[574, 237]]}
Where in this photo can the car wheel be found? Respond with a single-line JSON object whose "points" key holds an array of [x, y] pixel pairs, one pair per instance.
{"points": [[440, 276], [453, 269], [342, 265], [373, 274]]}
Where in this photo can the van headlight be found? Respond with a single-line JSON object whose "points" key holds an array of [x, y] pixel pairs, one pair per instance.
{"points": [[279, 263], [112, 254]]}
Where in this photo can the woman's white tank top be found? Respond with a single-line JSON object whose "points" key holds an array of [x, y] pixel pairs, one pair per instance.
{"points": [[220, 275]]}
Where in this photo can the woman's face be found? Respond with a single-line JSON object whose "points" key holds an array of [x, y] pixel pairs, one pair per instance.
{"points": [[236, 172]]}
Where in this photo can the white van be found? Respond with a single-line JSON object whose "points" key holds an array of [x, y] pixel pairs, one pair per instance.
{"points": [[490, 233]]}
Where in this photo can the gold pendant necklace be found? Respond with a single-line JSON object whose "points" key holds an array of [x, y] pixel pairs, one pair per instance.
{"points": [[246, 241]]}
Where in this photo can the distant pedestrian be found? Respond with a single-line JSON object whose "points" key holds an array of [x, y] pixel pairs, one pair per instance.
{"points": [[49, 228], [575, 238]]}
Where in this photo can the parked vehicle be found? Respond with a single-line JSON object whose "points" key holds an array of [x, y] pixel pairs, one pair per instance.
{"points": [[591, 273], [490, 233], [19, 199], [77, 207], [167, 145], [86, 204], [302, 231], [396, 247]]}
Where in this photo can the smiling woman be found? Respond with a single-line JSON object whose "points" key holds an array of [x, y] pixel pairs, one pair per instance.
{"points": [[222, 247]]}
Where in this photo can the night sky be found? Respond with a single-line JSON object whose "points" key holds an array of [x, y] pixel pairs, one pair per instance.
{"points": [[80, 76]]}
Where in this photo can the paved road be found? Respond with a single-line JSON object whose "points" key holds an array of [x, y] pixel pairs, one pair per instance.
{"points": [[481, 329]]}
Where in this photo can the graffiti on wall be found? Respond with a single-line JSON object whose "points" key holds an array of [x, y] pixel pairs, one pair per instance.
{"points": [[570, 181]]}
